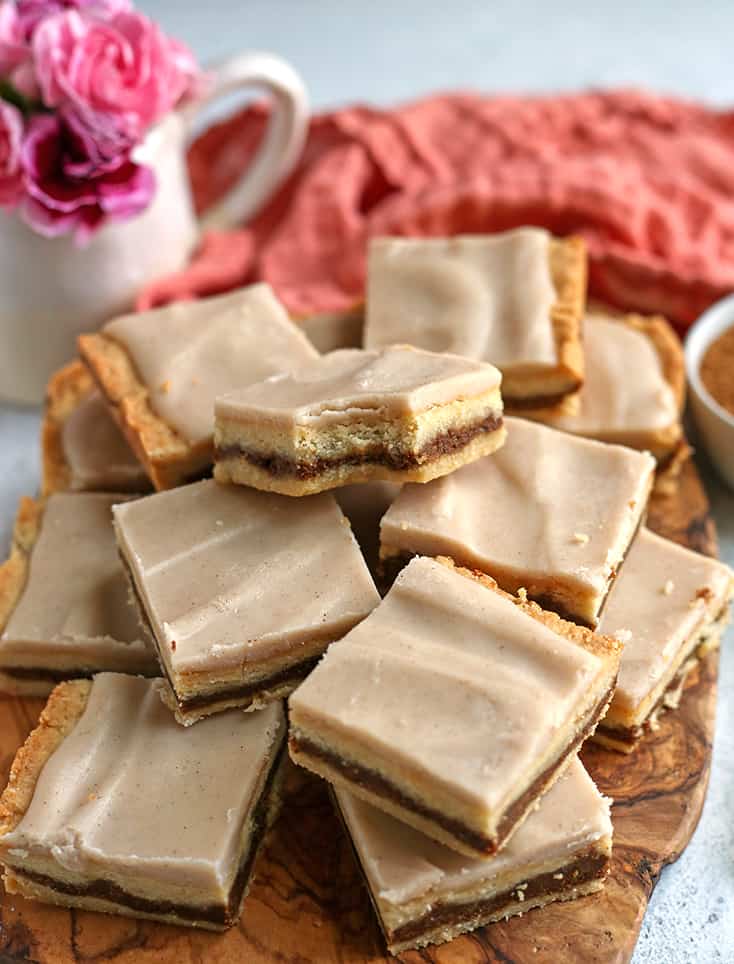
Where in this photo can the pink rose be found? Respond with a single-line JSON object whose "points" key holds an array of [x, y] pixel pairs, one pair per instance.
{"points": [[15, 53], [76, 182], [19, 20], [122, 72], [32, 12], [11, 173]]}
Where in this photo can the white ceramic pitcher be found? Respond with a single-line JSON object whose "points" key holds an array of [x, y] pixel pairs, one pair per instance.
{"points": [[51, 289]]}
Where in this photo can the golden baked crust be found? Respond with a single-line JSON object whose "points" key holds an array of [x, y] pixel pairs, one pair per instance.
{"points": [[605, 647], [568, 265], [14, 571], [168, 459], [62, 711], [67, 389]]}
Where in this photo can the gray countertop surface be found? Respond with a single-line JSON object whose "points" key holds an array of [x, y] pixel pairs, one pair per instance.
{"points": [[386, 51]]}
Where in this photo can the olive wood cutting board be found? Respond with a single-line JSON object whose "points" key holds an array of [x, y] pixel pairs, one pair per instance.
{"points": [[307, 903]]}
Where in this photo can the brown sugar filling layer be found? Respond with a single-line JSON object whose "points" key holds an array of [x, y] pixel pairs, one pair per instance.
{"points": [[443, 444], [588, 866], [382, 787], [47, 675], [293, 673], [391, 566], [222, 915], [54, 675], [517, 403], [629, 735]]}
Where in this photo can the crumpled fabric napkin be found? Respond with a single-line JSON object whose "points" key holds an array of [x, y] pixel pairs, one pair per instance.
{"points": [[647, 180]]}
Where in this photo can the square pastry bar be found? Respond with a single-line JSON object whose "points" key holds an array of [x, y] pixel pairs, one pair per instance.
{"points": [[111, 806], [454, 706], [514, 299], [241, 591], [549, 513], [161, 370], [397, 415], [64, 606], [669, 607], [425, 893], [83, 448], [634, 388]]}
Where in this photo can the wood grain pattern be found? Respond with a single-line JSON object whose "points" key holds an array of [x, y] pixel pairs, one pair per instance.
{"points": [[308, 905]]}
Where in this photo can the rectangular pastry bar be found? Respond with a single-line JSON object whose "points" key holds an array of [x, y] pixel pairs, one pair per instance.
{"points": [[424, 893], [453, 706], [83, 449], [669, 606], [64, 607], [514, 299], [634, 389], [549, 513], [111, 806], [241, 591], [396, 415], [161, 370]]}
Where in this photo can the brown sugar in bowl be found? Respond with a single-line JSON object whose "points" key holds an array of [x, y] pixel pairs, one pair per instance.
{"points": [[710, 371], [717, 369]]}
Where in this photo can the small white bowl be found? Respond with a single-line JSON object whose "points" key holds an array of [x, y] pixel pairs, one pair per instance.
{"points": [[715, 425]]}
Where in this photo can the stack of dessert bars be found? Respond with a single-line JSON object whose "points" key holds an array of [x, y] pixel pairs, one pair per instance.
{"points": [[492, 446]]}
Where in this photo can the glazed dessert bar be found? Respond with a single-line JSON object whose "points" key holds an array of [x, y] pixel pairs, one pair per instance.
{"points": [[241, 591], [424, 893], [669, 607], [160, 371], [111, 806], [454, 706], [64, 607], [398, 415], [82, 447], [514, 299], [635, 385], [549, 513]]}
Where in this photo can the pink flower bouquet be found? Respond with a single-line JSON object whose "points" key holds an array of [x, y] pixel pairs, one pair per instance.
{"points": [[81, 84]]}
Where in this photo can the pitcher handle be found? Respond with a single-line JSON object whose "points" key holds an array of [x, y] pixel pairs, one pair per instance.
{"points": [[281, 144]]}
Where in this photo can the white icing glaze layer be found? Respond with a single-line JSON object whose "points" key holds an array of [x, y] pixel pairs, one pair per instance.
{"points": [[230, 575], [76, 595], [401, 864], [544, 506], [96, 451], [664, 594], [352, 383], [190, 352], [130, 793], [449, 681], [485, 297], [624, 389]]}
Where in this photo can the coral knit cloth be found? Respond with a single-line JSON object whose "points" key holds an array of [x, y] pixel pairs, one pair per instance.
{"points": [[648, 181]]}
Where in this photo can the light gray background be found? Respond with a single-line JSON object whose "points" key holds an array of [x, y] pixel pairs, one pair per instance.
{"points": [[387, 50]]}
